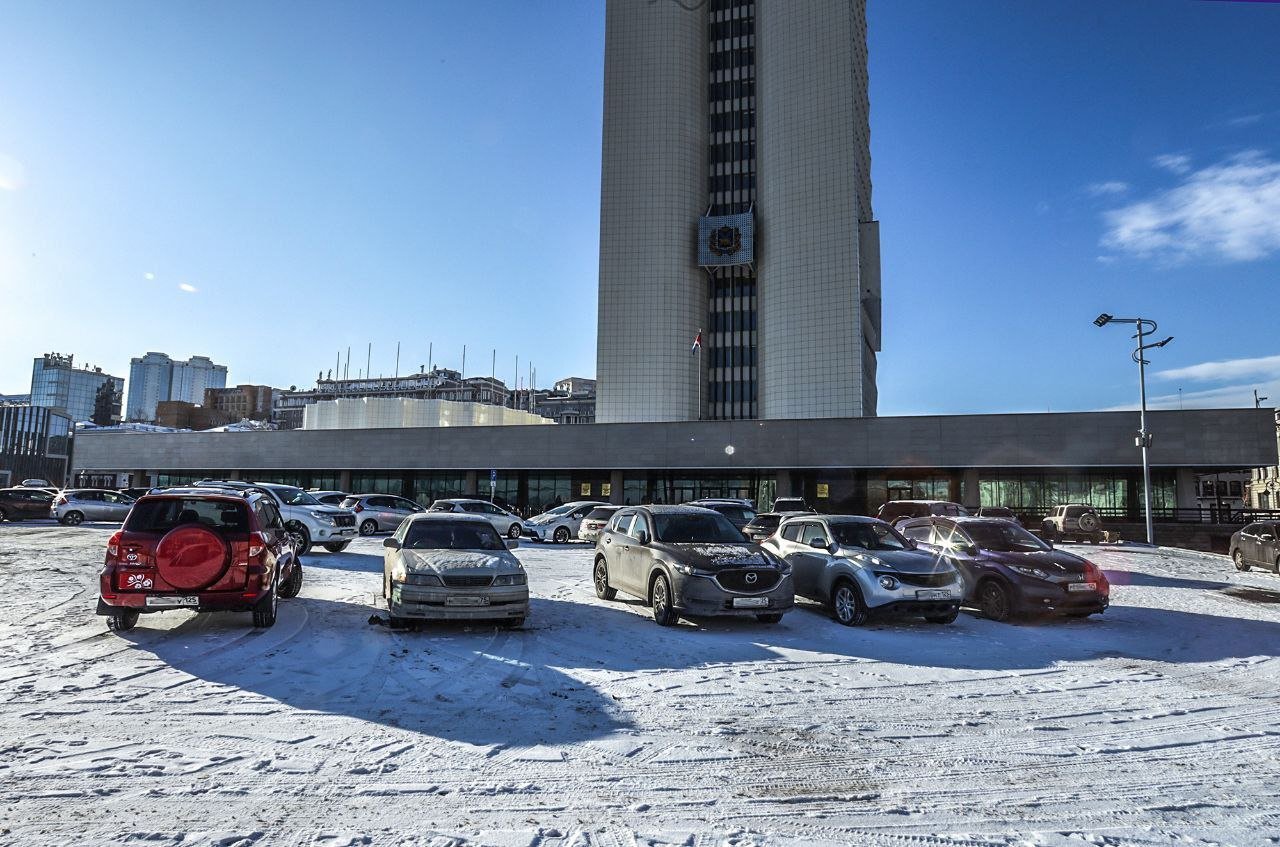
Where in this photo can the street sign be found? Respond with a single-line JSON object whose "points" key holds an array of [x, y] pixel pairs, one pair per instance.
{"points": [[493, 475]]}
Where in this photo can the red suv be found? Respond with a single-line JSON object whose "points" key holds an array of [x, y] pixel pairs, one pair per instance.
{"points": [[208, 551]]}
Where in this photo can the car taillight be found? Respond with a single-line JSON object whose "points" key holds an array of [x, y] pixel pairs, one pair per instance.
{"points": [[257, 543], [359, 507], [62, 501], [113, 546]]}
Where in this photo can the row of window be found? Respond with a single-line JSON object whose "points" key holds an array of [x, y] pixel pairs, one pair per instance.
{"points": [[742, 151], [1223, 488], [732, 321], [728, 5], [734, 121], [731, 89], [735, 286], [735, 391], [733, 357], [738, 28], [733, 182], [725, 60]]}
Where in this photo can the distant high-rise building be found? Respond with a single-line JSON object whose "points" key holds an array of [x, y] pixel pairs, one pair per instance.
{"points": [[156, 377], [56, 383], [736, 203]]}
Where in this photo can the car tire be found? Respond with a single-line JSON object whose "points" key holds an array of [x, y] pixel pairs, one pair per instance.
{"points": [[73, 518], [264, 613], [513, 531], [123, 621], [993, 600], [949, 617], [302, 537], [511, 623], [368, 527], [399, 623], [664, 613], [600, 576], [1238, 558], [4, 516], [291, 586], [771, 617], [847, 605], [337, 546], [561, 535]]}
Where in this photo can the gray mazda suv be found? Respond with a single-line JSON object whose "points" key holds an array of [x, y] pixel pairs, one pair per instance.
{"points": [[684, 560]]}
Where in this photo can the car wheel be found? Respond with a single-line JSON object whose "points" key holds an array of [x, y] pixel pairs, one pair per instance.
{"points": [[512, 623], [301, 537], [264, 614], [1088, 522], [601, 578], [291, 586], [772, 617], [561, 535], [337, 546], [123, 621], [847, 604], [1278, 565], [399, 623], [949, 617], [1238, 558], [73, 518], [993, 600], [4, 516], [513, 531], [368, 527], [664, 614]]}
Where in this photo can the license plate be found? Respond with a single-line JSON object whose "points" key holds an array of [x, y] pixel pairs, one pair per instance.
{"points": [[750, 602], [346, 532], [466, 601], [1083, 586], [934, 594], [173, 601]]}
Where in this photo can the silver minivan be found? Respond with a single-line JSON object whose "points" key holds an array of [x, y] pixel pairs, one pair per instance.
{"points": [[77, 505], [380, 512]]}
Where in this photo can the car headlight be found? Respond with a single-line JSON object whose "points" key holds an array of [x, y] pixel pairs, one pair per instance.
{"points": [[1033, 572], [688, 570], [429, 579], [510, 579], [324, 519], [888, 583]]}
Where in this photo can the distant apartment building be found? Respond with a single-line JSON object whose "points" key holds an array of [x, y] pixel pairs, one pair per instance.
{"points": [[570, 401], [156, 377], [56, 383], [251, 402], [179, 414]]}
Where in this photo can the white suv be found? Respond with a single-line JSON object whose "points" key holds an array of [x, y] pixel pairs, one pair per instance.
{"points": [[504, 522], [1075, 521], [305, 517]]}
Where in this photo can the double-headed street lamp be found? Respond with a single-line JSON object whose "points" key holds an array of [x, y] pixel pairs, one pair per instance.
{"points": [[1145, 328]]}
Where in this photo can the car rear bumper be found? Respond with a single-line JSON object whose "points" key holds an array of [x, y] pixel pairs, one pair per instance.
{"points": [[221, 601]]}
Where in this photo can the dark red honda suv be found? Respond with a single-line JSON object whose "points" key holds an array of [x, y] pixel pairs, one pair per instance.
{"points": [[213, 551]]}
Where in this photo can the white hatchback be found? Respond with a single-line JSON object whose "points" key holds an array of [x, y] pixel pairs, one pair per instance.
{"points": [[506, 523]]}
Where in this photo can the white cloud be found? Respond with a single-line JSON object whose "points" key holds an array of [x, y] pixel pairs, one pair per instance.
{"points": [[1176, 162], [190, 289], [12, 175], [1228, 211], [1245, 120], [1107, 189], [1265, 366], [1225, 397], [148, 275]]}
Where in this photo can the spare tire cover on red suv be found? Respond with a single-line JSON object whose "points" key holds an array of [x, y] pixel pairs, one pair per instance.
{"points": [[192, 557]]}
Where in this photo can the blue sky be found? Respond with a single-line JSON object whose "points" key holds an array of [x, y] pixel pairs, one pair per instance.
{"points": [[327, 175]]}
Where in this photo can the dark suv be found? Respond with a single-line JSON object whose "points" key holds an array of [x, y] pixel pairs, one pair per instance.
{"points": [[1007, 571], [19, 503], [688, 560], [208, 551]]}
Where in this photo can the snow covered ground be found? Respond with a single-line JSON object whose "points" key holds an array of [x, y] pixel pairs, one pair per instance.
{"points": [[1158, 723]]}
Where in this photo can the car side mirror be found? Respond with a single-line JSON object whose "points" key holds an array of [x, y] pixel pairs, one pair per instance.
{"points": [[818, 544], [512, 543], [643, 537], [391, 543]]}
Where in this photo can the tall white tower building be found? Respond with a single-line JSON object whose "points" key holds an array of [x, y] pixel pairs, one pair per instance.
{"points": [[736, 200], [155, 377]]}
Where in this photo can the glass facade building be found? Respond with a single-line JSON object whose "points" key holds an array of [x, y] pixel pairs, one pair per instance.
{"points": [[56, 383], [35, 443]]}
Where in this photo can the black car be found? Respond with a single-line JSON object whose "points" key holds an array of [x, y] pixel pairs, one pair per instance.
{"points": [[1257, 544], [1007, 571], [762, 526], [739, 512], [19, 503]]}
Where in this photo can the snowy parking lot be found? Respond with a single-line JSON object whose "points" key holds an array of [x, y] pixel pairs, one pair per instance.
{"points": [[1155, 723]]}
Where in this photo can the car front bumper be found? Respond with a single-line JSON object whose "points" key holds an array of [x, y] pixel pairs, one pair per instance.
{"points": [[438, 604], [700, 596], [906, 596]]}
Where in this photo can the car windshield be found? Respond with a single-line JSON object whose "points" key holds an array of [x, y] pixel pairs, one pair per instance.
{"points": [[451, 535], [441, 506], [1003, 537], [559, 510], [868, 536], [162, 515], [694, 528], [349, 502], [291, 496]]}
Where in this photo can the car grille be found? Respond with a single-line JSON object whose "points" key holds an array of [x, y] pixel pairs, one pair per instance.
{"points": [[344, 520], [924, 580], [467, 581], [749, 580]]}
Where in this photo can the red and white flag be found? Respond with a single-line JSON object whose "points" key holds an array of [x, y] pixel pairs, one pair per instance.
{"points": [[697, 343]]}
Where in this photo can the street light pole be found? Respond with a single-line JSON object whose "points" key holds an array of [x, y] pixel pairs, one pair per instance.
{"points": [[1145, 328]]}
